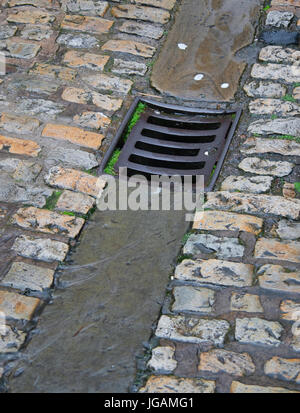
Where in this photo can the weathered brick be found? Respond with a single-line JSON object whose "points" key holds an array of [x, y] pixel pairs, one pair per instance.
{"points": [[283, 369], [142, 29], [249, 303], [276, 71], [18, 306], [75, 202], [253, 184], [264, 89], [21, 49], [77, 181], [266, 167], [275, 250], [18, 124], [278, 54], [23, 276], [277, 278], [162, 360], [164, 4], [253, 203], [194, 299], [96, 25], [263, 145], [224, 221], [11, 340], [95, 120], [215, 272], [108, 83], [237, 387], [75, 95], [60, 72], [290, 310], [49, 222], [258, 331], [36, 32], [74, 58], [19, 146], [268, 106], [169, 384], [141, 13], [280, 126], [130, 47], [72, 134], [43, 249], [192, 330], [30, 15], [296, 93], [222, 247], [217, 361], [126, 67]]}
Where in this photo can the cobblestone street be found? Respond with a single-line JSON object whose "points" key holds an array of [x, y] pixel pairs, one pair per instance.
{"points": [[231, 314]]}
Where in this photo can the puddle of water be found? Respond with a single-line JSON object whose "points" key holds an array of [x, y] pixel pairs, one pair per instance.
{"points": [[111, 294], [213, 31]]}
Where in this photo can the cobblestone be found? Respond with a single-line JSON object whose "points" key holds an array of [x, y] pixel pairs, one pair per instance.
{"points": [[227, 221], [18, 306], [265, 167], [236, 364], [74, 135], [263, 145], [49, 222], [249, 303], [237, 387], [11, 340], [255, 204], [141, 13], [23, 276], [168, 384], [283, 369], [193, 299], [192, 330], [278, 278], [258, 331], [207, 244], [254, 184], [162, 360], [278, 251], [215, 272], [40, 248]]}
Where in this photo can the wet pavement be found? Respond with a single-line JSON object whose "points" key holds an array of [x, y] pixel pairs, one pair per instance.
{"points": [[108, 299], [198, 59]]}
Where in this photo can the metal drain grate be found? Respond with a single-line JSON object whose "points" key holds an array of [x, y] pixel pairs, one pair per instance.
{"points": [[175, 140]]}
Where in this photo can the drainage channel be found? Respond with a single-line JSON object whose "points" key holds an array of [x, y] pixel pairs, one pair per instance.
{"points": [[110, 295]]}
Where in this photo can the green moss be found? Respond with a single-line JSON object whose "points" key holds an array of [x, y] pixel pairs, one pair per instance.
{"points": [[52, 200], [109, 169], [287, 137], [140, 109], [266, 8], [186, 237], [297, 186], [288, 98]]}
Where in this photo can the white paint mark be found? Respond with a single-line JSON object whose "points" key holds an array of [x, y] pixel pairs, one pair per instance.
{"points": [[182, 46], [225, 85], [199, 76]]}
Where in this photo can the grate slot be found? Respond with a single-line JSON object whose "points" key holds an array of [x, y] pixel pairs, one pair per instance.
{"points": [[177, 137], [180, 124], [165, 163], [166, 149]]}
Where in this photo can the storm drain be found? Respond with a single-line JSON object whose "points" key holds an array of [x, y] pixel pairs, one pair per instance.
{"points": [[174, 140]]}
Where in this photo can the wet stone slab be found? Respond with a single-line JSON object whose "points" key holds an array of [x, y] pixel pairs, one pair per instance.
{"points": [[210, 33]]}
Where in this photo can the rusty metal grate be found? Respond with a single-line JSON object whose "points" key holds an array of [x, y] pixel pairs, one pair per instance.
{"points": [[175, 140]]}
